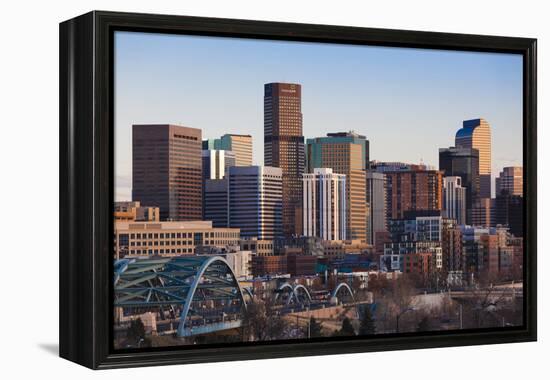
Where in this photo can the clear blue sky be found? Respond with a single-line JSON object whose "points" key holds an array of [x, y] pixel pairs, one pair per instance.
{"points": [[408, 102]]}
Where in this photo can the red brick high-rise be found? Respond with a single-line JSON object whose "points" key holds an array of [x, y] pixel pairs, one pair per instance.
{"points": [[413, 190], [284, 146]]}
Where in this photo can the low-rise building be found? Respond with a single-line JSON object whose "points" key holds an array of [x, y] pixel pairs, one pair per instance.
{"points": [[301, 265], [257, 246], [128, 211], [170, 238], [269, 265]]}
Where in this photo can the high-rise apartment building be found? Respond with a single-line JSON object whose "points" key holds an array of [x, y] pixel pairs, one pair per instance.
{"points": [[413, 190], [324, 204], [345, 155], [167, 170], [510, 180], [454, 199], [476, 134], [255, 201], [215, 163], [240, 145], [376, 199], [284, 146], [464, 163], [451, 246]]}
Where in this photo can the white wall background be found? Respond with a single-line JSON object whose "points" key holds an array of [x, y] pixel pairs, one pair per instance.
{"points": [[29, 186]]}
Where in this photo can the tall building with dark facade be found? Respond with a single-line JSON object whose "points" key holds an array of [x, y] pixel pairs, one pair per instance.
{"points": [[476, 134], [284, 146], [413, 190], [463, 163], [167, 170], [345, 153], [216, 202], [508, 212]]}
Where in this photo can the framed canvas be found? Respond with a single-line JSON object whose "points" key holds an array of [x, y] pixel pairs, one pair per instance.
{"points": [[234, 189]]}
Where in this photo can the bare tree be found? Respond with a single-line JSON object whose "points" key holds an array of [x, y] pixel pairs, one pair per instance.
{"points": [[262, 322]]}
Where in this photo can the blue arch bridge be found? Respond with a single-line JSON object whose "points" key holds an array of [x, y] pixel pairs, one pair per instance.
{"points": [[195, 295]]}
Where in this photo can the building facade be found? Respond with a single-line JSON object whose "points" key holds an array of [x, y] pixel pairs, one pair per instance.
{"points": [[476, 134], [508, 212], [376, 199], [324, 204], [463, 163], [240, 145], [167, 170], [216, 202], [345, 154], [413, 190], [256, 201], [510, 180], [481, 248], [451, 247], [216, 162], [284, 146], [135, 212], [170, 238], [482, 213], [454, 199], [258, 247]]}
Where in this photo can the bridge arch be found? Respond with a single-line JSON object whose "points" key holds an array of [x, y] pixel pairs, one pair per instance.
{"points": [[175, 285], [293, 293], [289, 290], [345, 287], [194, 286], [304, 289]]}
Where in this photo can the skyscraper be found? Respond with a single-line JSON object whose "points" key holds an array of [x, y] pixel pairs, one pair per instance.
{"points": [[454, 199], [240, 145], [508, 212], [255, 201], [315, 148], [376, 199], [510, 180], [464, 163], [216, 202], [324, 204], [345, 155], [476, 134], [413, 190], [216, 162], [481, 215], [284, 145], [167, 170]]}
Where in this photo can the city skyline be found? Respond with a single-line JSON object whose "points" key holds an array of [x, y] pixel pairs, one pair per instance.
{"points": [[365, 101]]}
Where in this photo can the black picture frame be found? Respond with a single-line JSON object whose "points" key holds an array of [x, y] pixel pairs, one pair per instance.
{"points": [[86, 186]]}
